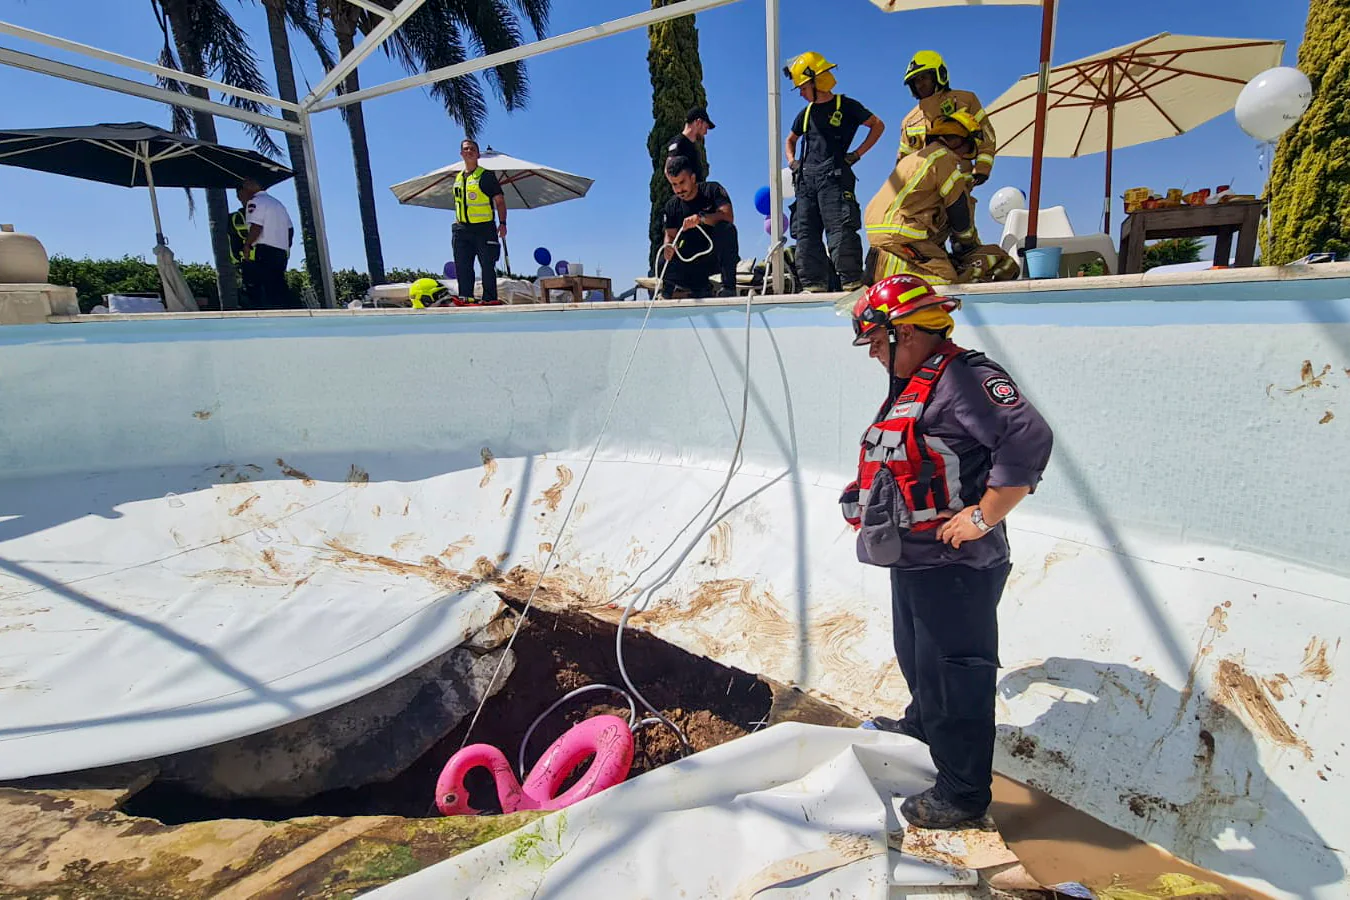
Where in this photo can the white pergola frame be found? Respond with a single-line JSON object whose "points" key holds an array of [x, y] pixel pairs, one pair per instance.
{"points": [[318, 99]]}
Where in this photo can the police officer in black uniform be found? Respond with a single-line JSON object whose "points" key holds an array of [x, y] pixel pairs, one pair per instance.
{"points": [[686, 143]]}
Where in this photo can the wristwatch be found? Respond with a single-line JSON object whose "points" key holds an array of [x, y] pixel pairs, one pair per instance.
{"points": [[978, 518]]}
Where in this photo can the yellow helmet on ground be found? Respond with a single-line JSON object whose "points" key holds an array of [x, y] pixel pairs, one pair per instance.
{"points": [[927, 61], [426, 292], [959, 124], [810, 68]]}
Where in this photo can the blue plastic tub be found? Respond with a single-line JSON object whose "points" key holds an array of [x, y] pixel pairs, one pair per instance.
{"points": [[1043, 262]]}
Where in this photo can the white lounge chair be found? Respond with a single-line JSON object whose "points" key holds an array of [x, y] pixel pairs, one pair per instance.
{"points": [[1054, 230]]}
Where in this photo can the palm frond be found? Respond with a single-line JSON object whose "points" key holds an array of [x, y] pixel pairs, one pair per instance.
{"points": [[306, 17], [536, 12], [492, 27], [430, 40]]}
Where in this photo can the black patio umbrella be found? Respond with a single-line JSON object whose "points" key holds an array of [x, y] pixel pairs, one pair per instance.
{"points": [[134, 154]]}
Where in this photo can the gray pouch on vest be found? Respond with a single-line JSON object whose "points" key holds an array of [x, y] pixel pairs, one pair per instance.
{"points": [[885, 520]]}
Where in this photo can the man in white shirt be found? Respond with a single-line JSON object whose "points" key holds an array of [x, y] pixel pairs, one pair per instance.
{"points": [[270, 234]]}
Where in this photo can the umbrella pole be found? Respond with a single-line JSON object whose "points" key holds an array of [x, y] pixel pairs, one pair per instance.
{"points": [[1110, 152], [1038, 136], [154, 201]]}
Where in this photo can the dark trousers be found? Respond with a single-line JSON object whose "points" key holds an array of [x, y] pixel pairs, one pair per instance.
{"points": [[826, 204], [693, 276], [946, 639], [476, 242], [264, 280]]}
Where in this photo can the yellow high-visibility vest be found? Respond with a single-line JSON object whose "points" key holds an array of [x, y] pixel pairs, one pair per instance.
{"points": [[471, 204]]}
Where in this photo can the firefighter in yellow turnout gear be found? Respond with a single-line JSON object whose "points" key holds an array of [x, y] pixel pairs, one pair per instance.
{"points": [[925, 203], [930, 83]]}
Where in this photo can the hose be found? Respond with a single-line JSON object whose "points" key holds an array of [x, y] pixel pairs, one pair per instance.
{"points": [[632, 691]]}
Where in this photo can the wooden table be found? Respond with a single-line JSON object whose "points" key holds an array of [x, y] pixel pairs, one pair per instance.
{"points": [[577, 284], [1219, 221]]}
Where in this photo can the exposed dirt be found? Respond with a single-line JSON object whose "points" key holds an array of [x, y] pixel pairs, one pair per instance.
{"points": [[555, 653]]}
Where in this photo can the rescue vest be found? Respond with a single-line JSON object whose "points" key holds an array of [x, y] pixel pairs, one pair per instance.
{"points": [[471, 204], [238, 235], [926, 471]]}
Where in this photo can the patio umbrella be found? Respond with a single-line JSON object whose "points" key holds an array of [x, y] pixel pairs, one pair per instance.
{"points": [[1152, 89], [901, 5], [526, 185], [134, 154]]}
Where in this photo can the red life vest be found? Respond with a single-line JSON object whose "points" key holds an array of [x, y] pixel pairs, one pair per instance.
{"points": [[926, 471]]}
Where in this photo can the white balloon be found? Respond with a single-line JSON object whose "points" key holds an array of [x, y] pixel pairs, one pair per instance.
{"points": [[1004, 201], [1272, 102], [788, 192]]}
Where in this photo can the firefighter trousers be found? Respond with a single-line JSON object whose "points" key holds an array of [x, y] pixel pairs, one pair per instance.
{"points": [[475, 242], [826, 205], [927, 259], [945, 625]]}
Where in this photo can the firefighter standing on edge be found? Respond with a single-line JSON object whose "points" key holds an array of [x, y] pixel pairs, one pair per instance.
{"points": [[822, 176], [925, 202], [950, 453]]}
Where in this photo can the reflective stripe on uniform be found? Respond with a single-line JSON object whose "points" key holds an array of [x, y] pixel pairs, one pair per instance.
{"points": [[918, 234], [980, 116], [985, 158], [951, 465], [950, 184], [913, 182]]}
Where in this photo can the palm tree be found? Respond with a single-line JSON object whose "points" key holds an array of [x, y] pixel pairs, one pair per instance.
{"points": [[201, 38], [432, 38], [298, 14]]}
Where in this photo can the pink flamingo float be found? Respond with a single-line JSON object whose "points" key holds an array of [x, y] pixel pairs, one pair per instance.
{"points": [[607, 737]]}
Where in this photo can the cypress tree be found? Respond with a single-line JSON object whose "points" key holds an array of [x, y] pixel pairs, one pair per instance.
{"points": [[677, 86], [1309, 186]]}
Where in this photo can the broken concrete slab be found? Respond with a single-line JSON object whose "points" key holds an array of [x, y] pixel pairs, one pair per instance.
{"points": [[370, 739]]}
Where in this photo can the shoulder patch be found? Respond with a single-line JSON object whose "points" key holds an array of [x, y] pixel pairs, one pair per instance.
{"points": [[948, 107], [1002, 391]]}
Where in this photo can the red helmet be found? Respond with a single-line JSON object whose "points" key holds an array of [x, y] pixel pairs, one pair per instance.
{"points": [[891, 299]]}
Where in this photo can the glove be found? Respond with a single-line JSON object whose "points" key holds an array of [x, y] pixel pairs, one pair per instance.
{"points": [[795, 166], [852, 157], [960, 249], [980, 178]]}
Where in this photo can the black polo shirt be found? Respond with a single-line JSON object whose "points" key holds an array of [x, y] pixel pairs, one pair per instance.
{"points": [[709, 197]]}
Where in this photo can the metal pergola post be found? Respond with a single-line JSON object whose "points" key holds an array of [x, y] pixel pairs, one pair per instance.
{"points": [[327, 290], [775, 261]]}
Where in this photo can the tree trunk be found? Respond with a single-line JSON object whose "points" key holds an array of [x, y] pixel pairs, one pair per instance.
{"points": [[1309, 187], [365, 182], [286, 90], [217, 209], [677, 86]]}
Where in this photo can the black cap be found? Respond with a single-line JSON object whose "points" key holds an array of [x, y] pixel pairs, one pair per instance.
{"points": [[699, 112]]}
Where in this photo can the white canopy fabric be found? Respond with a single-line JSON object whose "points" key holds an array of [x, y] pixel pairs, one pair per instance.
{"points": [[792, 811], [177, 294], [526, 185], [903, 5], [1155, 88]]}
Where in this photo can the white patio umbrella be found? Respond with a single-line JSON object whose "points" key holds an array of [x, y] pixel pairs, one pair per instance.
{"points": [[526, 185], [1155, 88], [900, 5]]}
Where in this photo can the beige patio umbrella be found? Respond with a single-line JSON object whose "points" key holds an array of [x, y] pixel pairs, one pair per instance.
{"points": [[1152, 89]]}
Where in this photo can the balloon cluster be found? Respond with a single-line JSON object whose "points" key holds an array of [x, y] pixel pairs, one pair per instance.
{"points": [[764, 202]]}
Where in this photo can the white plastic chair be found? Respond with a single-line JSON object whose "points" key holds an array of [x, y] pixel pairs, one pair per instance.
{"points": [[1055, 230]]}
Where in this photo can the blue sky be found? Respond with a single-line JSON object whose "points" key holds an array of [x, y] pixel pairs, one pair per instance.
{"points": [[590, 113]]}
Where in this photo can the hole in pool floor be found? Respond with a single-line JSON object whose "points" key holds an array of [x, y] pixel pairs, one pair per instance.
{"points": [[555, 652]]}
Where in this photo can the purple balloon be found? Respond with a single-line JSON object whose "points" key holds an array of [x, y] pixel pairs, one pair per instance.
{"points": [[449, 269], [561, 267], [768, 225]]}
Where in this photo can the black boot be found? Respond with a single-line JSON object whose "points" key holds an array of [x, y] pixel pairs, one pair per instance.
{"points": [[906, 727], [930, 810]]}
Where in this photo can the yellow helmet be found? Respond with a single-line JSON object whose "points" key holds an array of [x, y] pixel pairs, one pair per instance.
{"points": [[810, 68], [959, 124], [426, 292], [927, 61]]}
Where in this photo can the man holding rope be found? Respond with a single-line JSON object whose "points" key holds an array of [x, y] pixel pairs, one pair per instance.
{"points": [[701, 234]]}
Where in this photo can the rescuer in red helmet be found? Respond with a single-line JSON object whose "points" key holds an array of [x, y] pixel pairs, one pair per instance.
{"points": [[952, 450]]}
